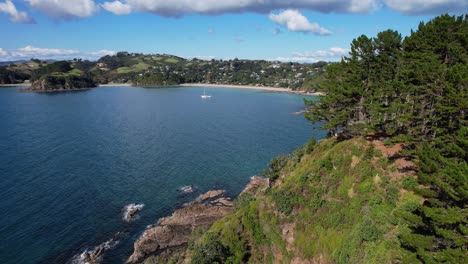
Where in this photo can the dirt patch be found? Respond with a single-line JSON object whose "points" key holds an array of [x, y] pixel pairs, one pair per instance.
{"points": [[287, 231], [403, 164], [387, 151]]}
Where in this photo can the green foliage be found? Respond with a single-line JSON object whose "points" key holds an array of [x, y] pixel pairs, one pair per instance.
{"points": [[310, 145], [210, 251], [284, 201], [55, 67], [275, 166], [243, 200], [410, 183], [416, 88]]}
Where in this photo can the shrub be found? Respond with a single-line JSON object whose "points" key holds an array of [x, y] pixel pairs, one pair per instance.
{"points": [[410, 183], [284, 202], [275, 166], [310, 145], [211, 250]]}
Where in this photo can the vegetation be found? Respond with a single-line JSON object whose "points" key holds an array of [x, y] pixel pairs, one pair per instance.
{"points": [[156, 70], [350, 198]]}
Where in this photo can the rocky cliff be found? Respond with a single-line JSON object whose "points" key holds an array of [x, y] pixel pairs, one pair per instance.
{"points": [[175, 230], [54, 82]]}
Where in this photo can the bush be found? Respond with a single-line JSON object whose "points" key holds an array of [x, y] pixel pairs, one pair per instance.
{"points": [[211, 250], [274, 167], [310, 145], [242, 200], [284, 202], [410, 183]]}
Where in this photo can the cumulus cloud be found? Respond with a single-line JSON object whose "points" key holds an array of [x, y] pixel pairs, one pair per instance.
{"points": [[15, 16], [50, 53], [293, 20], [331, 54], [214, 7], [421, 7], [117, 7], [65, 9]]}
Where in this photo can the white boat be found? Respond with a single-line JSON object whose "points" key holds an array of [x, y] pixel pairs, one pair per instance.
{"points": [[204, 95]]}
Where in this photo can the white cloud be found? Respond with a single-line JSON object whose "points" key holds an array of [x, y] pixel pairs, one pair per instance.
{"points": [[214, 7], [203, 57], [419, 7], [117, 8], [65, 9], [331, 54], [211, 31], [29, 52], [15, 16], [101, 53], [293, 20]]}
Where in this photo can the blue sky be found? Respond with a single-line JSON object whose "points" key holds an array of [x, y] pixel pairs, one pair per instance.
{"points": [[293, 30]]}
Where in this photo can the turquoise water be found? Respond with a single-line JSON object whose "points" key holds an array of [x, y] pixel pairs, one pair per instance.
{"points": [[69, 162]]}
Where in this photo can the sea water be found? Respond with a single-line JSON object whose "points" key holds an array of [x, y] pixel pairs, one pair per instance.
{"points": [[71, 161]]}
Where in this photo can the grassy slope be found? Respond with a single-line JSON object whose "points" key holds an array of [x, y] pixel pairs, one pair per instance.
{"points": [[342, 203]]}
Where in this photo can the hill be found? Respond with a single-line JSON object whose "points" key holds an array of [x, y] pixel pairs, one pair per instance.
{"points": [[161, 69], [389, 185]]}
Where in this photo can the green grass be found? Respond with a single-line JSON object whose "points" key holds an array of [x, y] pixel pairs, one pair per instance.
{"points": [[344, 214], [172, 60], [140, 66]]}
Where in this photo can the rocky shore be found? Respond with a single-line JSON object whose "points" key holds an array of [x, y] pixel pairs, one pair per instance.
{"points": [[172, 233], [58, 83]]}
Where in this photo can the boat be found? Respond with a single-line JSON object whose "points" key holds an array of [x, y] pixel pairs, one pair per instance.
{"points": [[204, 95]]}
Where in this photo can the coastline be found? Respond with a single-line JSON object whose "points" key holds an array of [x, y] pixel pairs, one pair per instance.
{"points": [[114, 84], [208, 85], [16, 84], [28, 90], [251, 87]]}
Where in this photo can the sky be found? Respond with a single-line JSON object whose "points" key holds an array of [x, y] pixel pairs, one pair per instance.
{"points": [[285, 30]]}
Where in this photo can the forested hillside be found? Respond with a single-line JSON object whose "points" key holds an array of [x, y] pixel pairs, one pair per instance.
{"points": [[390, 185], [155, 70]]}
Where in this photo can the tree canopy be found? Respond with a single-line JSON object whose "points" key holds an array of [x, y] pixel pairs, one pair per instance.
{"points": [[415, 91]]}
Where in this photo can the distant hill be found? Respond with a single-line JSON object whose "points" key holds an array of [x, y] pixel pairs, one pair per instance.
{"points": [[163, 69]]}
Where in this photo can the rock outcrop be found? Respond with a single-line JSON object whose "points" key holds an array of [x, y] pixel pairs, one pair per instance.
{"points": [[174, 231], [62, 82]]}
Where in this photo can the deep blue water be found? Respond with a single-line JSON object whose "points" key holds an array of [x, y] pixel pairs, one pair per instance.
{"points": [[69, 162]]}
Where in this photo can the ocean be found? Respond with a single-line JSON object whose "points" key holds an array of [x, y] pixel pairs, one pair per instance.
{"points": [[71, 161]]}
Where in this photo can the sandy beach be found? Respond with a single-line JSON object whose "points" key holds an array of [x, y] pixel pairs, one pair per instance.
{"points": [[114, 84], [18, 84], [263, 88]]}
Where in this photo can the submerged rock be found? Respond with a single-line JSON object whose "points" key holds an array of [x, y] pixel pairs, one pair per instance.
{"points": [[187, 189], [175, 230], [94, 256], [130, 212]]}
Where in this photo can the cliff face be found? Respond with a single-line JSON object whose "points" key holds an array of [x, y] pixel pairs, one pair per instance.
{"points": [[62, 83], [342, 202], [334, 202], [174, 231]]}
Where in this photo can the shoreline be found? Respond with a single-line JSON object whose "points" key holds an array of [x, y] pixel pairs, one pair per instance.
{"points": [[251, 87], [28, 90], [114, 84], [16, 84], [208, 85]]}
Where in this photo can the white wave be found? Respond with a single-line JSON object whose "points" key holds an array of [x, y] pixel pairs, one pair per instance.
{"points": [[94, 256], [186, 189], [130, 211]]}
